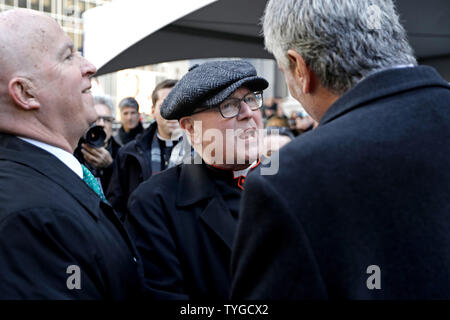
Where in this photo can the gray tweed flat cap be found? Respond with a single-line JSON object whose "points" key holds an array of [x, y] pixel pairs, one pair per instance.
{"points": [[207, 85]]}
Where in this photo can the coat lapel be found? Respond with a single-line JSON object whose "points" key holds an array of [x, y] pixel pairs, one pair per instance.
{"points": [[52, 168], [217, 216], [196, 185], [16, 150]]}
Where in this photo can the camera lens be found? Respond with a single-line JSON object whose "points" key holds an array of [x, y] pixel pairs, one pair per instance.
{"points": [[95, 136]]}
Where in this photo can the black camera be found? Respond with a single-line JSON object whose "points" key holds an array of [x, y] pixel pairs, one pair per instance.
{"points": [[95, 137], [291, 122]]}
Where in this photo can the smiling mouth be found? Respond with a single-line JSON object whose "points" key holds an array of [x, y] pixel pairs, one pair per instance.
{"points": [[88, 90]]}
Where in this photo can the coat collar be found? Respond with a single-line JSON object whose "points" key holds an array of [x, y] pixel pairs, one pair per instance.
{"points": [[16, 150], [144, 140], [217, 217], [383, 84], [196, 185]]}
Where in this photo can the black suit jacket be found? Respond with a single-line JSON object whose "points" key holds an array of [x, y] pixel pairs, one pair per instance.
{"points": [[370, 186], [184, 233], [51, 220]]}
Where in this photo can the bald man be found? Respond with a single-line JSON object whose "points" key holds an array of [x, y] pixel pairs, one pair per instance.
{"points": [[58, 239]]}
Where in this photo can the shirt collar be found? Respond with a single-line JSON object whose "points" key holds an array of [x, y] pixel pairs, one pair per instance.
{"points": [[168, 142], [65, 157], [245, 171]]}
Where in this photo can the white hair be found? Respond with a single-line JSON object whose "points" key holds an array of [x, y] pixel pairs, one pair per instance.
{"points": [[340, 40], [107, 101]]}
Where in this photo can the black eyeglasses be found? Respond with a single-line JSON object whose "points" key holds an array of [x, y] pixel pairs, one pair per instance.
{"points": [[105, 119], [231, 107]]}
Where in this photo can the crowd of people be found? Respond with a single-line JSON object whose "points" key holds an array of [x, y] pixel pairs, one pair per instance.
{"points": [[356, 205]]}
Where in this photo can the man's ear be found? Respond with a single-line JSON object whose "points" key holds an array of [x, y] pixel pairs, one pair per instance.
{"points": [[21, 92], [187, 124], [152, 111], [300, 70]]}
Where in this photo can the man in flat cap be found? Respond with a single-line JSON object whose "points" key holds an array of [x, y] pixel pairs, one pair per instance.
{"points": [[184, 218]]}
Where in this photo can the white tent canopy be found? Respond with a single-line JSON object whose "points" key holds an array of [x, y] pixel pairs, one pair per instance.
{"points": [[146, 32], [116, 26], [130, 33]]}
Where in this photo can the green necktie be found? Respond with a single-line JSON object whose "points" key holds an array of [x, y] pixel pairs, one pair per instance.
{"points": [[90, 180]]}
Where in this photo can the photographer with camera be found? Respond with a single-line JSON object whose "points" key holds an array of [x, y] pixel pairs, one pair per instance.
{"points": [[97, 149]]}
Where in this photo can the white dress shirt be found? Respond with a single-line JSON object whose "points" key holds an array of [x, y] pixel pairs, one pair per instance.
{"points": [[65, 157]]}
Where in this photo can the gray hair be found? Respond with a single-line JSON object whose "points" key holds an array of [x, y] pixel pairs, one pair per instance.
{"points": [[341, 41], [107, 101]]}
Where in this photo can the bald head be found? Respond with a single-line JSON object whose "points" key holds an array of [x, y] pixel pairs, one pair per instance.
{"points": [[44, 83], [24, 34]]}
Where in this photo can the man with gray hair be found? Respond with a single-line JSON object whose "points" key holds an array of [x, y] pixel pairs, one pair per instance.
{"points": [[360, 206], [99, 159]]}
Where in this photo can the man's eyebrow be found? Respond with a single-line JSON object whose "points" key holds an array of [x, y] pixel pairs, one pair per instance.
{"points": [[67, 45]]}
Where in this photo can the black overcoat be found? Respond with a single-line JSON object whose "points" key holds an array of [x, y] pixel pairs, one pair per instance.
{"points": [[360, 207], [51, 223], [131, 166], [184, 232]]}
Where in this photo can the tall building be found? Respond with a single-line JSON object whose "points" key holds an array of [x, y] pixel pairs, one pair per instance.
{"points": [[66, 12]]}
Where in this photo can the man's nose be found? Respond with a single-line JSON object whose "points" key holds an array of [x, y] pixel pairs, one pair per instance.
{"points": [[87, 68], [245, 111]]}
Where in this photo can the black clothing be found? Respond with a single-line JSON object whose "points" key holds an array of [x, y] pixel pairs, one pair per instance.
{"points": [[369, 186], [166, 151], [51, 220], [183, 228], [229, 187], [122, 137], [131, 167], [159, 154], [136, 162], [104, 174]]}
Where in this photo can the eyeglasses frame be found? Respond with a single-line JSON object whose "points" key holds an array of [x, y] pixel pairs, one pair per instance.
{"points": [[240, 105]]}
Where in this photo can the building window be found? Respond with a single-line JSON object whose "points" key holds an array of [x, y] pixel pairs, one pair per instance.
{"points": [[47, 5], [35, 4], [69, 8]]}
